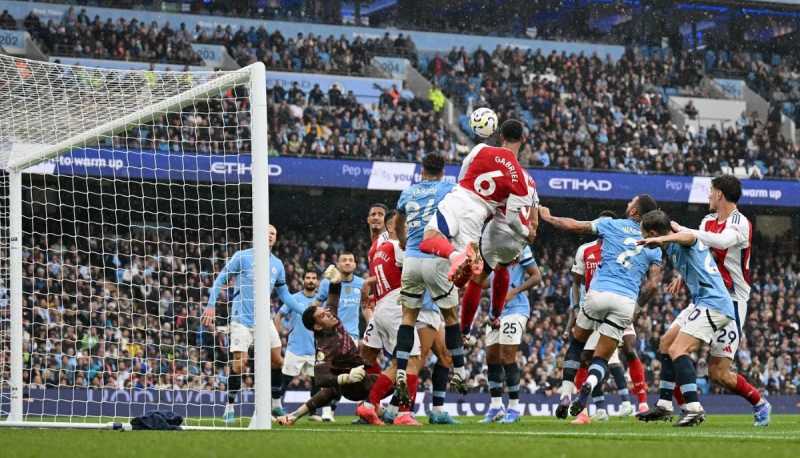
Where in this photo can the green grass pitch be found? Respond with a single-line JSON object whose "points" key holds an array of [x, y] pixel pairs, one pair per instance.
{"points": [[720, 436]]}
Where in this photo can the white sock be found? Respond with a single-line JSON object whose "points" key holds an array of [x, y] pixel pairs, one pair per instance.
{"points": [[664, 404], [592, 380], [276, 403], [513, 404], [496, 403], [567, 388], [437, 409], [327, 412], [461, 371], [694, 407]]}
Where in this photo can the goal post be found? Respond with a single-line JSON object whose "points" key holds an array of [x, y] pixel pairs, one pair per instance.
{"points": [[112, 229]]}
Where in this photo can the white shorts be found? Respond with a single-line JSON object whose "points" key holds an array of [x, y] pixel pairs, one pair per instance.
{"points": [[510, 332], [429, 319], [605, 312], [420, 274], [591, 344], [382, 329], [726, 341], [242, 337], [294, 365], [708, 326], [499, 244], [460, 217]]}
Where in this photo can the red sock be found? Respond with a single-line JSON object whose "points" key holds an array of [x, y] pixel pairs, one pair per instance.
{"points": [[469, 305], [678, 395], [412, 380], [373, 369], [636, 370], [746, 390], [382, 387], [439, 246], [581, 376], [500, 283]]}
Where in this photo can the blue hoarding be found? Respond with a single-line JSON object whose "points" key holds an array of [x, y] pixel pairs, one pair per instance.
{"points": [[396, 176], [81, 402]]}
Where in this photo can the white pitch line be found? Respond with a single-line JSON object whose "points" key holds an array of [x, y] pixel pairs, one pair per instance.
{"points": [[766, 436]]}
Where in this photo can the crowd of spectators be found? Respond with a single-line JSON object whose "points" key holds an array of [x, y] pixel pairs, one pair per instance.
{"points": [[400, 127], [78, 35], [588, 112], [773, 76], [583, 112], [125, 312], [305, 52]]}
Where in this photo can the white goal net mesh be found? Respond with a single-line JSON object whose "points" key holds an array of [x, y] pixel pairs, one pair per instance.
{"points": [[124, 228]]}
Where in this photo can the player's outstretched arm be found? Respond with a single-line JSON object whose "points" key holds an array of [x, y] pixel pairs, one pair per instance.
{"points": [[231, 268], [288, 300], [566, 224], [685, 238], [722, 241]]}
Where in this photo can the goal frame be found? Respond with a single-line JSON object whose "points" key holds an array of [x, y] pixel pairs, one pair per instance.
{"points": [[255, 74]]}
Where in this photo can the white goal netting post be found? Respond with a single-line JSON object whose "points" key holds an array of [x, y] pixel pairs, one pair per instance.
{"points": [[115, 218]]}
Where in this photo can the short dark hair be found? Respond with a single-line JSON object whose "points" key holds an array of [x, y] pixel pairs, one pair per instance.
{"points": [[729, 186], [346, 253], [512, 130], [389, 215], [607, 214], [311, 271], [433, 164], [645, 204], [308, 317], [379, 205], [656, 220]]}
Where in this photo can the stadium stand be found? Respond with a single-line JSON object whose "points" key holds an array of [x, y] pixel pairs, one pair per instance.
{"points": [[134, 327], [584, 112]]}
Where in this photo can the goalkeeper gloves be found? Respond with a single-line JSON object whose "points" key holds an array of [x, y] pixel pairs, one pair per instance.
{"points": [[356, 375]]}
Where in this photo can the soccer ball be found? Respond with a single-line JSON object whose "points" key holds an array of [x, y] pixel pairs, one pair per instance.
{"points": [[483, 122]]}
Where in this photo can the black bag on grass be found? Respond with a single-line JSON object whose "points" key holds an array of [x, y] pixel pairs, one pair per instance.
{"points": [[158, 420]]}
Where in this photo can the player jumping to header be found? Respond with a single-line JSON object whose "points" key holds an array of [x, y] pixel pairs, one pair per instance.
{"points": [[500, 245], [490, 178]]}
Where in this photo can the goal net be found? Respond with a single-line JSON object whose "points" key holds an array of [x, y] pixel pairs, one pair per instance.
{"points": [[122, 195]]}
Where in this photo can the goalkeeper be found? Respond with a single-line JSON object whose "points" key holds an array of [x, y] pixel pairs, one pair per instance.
{"points": [[339, 370]]}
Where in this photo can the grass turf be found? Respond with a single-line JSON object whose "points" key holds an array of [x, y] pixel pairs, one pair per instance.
{"points": [[720, 436]]}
